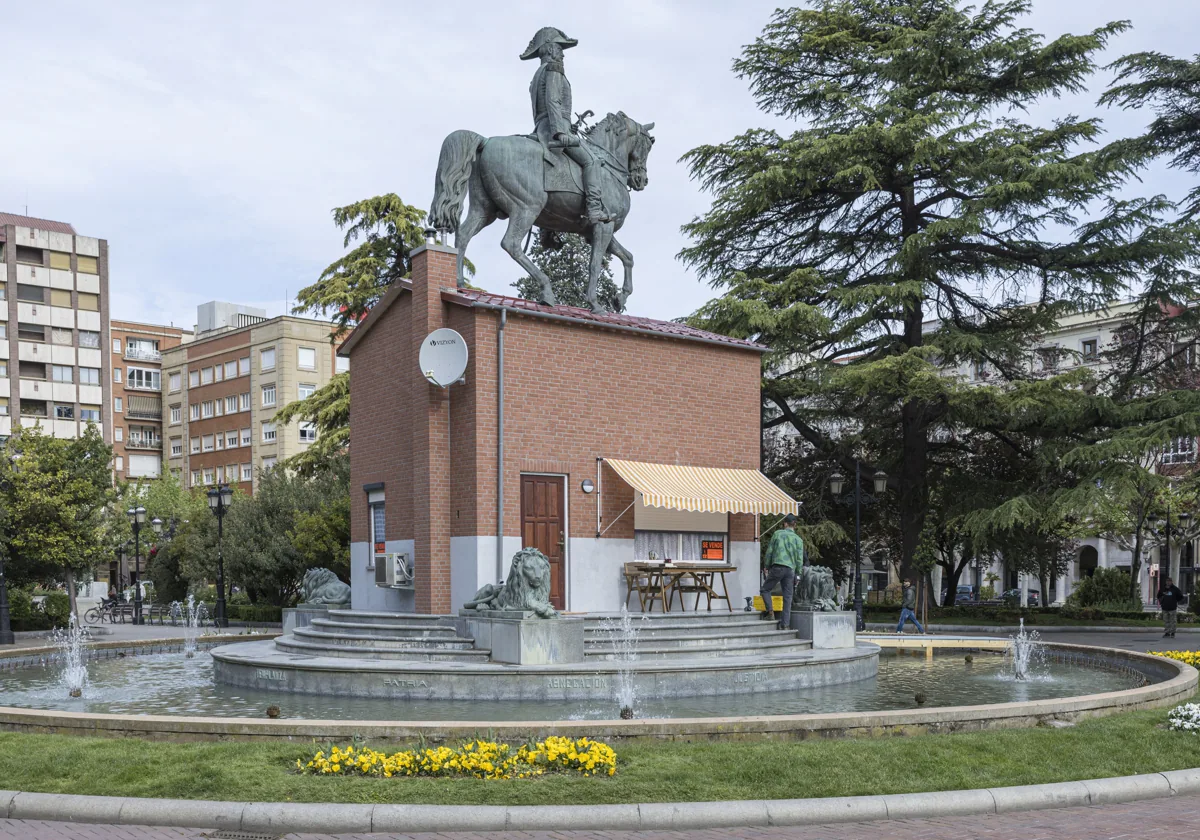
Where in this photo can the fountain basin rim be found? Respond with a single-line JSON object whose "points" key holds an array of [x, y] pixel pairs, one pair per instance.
{"points": [[1177, 688]]}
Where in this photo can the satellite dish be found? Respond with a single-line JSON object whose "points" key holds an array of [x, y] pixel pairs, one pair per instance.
{"points": [[443, 357]]}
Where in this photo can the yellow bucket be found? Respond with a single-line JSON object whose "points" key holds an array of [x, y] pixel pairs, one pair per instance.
{"points": [[776, 603]]}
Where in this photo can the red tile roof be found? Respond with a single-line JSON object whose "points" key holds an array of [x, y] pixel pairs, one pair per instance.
{"points": [[612, 320], [30, 221]]}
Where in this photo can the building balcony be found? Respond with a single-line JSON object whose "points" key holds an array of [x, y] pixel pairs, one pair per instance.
{"points": [[137, 442], [133, 386], [144, 408], [137, 354]]}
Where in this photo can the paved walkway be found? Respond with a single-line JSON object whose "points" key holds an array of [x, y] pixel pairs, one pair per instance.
{"points": [[1175, 817]]}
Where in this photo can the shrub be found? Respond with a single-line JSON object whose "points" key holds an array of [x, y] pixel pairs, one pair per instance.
{"points": [[1106, 588], [57, 608], [20, 605], [1185, 718], [261, 613]]}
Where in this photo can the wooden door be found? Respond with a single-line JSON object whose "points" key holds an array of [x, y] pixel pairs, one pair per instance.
{"points": [[544, 527]]}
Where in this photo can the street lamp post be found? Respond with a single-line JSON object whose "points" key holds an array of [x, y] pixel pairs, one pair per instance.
{"points": [[1164, 565], [137, 518], [219, 500], [836, 482]]}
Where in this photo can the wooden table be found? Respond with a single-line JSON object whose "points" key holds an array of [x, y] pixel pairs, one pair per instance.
{"points": [[671, 579]]}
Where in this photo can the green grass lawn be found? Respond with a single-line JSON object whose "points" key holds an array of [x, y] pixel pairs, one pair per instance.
{"points": [[646, 772]]}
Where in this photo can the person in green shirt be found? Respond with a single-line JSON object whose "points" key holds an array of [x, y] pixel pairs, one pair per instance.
{"points": [[785, 557]]}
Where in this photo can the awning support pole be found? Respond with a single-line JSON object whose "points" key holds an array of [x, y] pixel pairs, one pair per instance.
{"points": [[619, 515], [599, 494]]}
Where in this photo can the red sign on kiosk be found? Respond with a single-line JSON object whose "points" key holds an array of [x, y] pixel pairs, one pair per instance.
{"points": [[712, 550]]}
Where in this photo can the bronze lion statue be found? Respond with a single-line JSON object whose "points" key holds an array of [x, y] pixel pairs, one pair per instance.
{"points": [[321, 586], [526, 589], [815, 589]]}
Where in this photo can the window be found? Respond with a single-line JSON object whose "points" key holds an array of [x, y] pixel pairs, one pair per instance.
{"points": [[176, 415], [193, 379], [245, 402], [117, 375], [116, 345], [4, 367], [305, 391], [90, 413], [91, 303], [1181, 450], [31, 370], [31, 332], [343, 364], [686, 546], [60, 260], [220, 440], [32, 256], [208, 476], [231, 440], [118, 434], [174, 382], [378, 523], [86, 265], [268, 395], [3, 406], [206, 408], [268, 463], [194, 411], [89, 376], [1048, 356], [117, 405], [247, 472], [308, 432], [1090, 350], [195, 445], [61, 337], [244, 366], [176, 447], [60, 298], [268, 434], [88, 338], [216, 408], [266, 359], [306, 358], [218, 375], [62, 373], [246, 434], [33, 408], [206, 443], [230, 370], [206, 376], [231, 404], [3, 292], [31, 294], [146, 378], [67, 412], [3, 330], [120, 463], [195, 477]]}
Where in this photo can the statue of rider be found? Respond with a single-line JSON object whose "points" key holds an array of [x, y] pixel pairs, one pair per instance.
{"points": [[550, 94]]}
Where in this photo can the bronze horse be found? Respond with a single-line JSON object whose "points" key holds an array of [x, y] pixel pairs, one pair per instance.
{"points": [[506, 178]]}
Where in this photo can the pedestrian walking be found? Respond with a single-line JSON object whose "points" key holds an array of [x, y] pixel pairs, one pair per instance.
{"points": [[785, 557], [908, 608], [1169, 597]]}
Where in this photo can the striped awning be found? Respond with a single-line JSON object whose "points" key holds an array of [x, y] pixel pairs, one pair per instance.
{"points": [[706, 489]]}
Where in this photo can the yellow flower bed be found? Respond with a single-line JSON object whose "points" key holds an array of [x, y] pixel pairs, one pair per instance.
{"points": [[1191, 657], [476, 759]]}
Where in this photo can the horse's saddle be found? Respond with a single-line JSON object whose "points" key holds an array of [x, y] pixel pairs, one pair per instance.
{"points": [[560, 173]]}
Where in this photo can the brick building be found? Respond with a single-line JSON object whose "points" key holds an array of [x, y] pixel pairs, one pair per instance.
{"points": [[54, 328], [137, 395], [221, 391], [578, 389]]}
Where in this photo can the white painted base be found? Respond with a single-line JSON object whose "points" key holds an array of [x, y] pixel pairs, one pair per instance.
{"points": [[365, 594]]}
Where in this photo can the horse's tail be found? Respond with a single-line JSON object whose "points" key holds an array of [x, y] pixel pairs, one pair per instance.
{"points": [[459, 150]]}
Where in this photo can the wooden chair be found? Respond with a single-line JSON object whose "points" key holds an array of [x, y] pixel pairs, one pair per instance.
{"points": [[638, 579], [692, 582]]}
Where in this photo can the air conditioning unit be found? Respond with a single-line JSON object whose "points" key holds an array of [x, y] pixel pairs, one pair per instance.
{"points": [[395, 569]]}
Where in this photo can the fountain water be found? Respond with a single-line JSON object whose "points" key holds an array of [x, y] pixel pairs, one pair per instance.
{"points": [[70, 644], [193, 616], [623, 636], [1025, 650]]}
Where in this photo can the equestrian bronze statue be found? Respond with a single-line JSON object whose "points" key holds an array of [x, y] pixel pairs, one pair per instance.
{"points": [[561, 178]]}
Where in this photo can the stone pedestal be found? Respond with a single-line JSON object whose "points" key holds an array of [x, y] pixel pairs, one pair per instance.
{"points": [[517, 638], [827, 630], [302, 615]]}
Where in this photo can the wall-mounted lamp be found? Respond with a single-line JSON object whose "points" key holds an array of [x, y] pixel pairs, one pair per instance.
{"points": [[587, 486]]}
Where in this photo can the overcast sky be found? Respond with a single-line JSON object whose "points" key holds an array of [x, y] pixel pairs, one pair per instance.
{"points": [[208, 141]]}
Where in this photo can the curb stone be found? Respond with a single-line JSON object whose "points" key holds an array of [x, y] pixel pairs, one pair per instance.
{"points": [[309, 818]]}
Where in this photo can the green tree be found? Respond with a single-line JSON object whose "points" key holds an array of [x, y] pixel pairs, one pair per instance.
{"points": [[566, 258], [1171, 86], [58, 498], [916, 225], [185, 551]]}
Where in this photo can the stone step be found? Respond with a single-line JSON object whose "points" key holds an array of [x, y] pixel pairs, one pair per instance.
{"points": [[365, 617], [406, 630], [702, 620], [290, 644], [683, 639], [390, 642], [749, 651]]}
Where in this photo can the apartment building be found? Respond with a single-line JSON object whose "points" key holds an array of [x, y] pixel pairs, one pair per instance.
{"points": [[137, 403], [54, 328], [221, 391]]}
